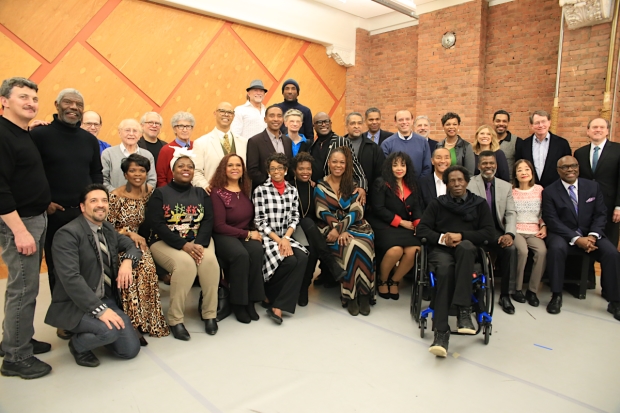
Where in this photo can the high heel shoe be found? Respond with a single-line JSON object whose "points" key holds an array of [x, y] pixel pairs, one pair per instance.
{"points": [[395, 284], [380, 283]]}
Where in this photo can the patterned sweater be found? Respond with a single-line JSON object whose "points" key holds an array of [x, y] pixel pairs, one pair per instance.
{"points": [[529, 209]]}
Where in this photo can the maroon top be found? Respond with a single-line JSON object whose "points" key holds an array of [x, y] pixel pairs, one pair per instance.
{"points": [[232, 213]]}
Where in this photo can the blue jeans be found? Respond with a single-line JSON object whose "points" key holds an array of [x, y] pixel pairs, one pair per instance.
{"points": [[22, 288], [92, 333]]}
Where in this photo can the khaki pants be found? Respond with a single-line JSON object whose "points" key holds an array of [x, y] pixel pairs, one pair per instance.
{"points": [[184, 269], [523, 242]]}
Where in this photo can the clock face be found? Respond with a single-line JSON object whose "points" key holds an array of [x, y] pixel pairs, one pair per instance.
{"points": [[448, 40]]}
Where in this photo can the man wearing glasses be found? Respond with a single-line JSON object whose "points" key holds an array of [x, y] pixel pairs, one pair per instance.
{"points": [[574, 210], [151, 127], [212, 147], [91, 121], [543, 149], [129, 131]]}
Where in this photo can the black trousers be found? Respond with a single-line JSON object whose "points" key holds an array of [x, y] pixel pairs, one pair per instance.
{"points": [[505, 264], [242, 262], [56, 221], [453, 270], [283, 288], [606, 254], [317, 249]]}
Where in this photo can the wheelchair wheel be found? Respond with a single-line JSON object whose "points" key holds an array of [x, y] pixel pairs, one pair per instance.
{"points": [[422, 327], [416, 288], [487, 332]]}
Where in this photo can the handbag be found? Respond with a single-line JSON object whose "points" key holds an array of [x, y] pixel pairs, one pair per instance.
{"points": [[223, 302]]}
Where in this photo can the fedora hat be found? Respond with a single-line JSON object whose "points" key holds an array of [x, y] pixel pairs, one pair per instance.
{"points": [[256, 84]]}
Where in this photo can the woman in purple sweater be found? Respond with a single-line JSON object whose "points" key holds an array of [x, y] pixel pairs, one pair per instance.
{"points": [[237, 244]]}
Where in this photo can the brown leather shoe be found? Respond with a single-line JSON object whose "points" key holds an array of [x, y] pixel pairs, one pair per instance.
{"points": [[64, 334]]}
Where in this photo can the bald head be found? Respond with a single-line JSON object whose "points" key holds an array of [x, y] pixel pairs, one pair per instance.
{"points": [[568, 169], [322, 124], [129, 131], [91, 121], [224, 115]]}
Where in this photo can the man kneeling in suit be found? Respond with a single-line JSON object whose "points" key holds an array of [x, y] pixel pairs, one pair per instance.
{"points": [[574, 210], [87, 266]]}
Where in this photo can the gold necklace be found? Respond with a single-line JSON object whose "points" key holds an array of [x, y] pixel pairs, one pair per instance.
{"points": [[303, 214]]}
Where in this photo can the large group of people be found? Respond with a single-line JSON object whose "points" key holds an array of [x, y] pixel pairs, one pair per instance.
{"points": [[254, 204]]}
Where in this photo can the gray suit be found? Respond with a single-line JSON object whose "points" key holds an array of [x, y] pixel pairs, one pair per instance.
{"points": [[506, 214]]}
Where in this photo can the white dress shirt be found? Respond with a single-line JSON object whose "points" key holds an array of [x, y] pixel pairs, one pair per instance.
{"points": [[600, 152], [248, 120], [440, 187], [539, 153]]}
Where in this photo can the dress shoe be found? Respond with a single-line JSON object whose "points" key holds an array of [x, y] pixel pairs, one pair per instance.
{"points": [[241, 312], [394, 296], [440, 344], [302, 300], [518, 297], [381, 283], [30, 368], [353, 307], [276, 318], [531, 298], [85, 359], [265, 304], [614, 308], [364, 303], [180, 332], [211, 326], [555, 304], [252, 312], [38, 347], [64, 334], [464, 323], [506, 304]]}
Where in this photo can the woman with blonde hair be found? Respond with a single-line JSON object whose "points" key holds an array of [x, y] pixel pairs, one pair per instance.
{"points": [[486, 139]]}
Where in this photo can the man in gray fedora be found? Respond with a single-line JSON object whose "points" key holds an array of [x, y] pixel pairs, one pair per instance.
{"points": [[250, 117]]}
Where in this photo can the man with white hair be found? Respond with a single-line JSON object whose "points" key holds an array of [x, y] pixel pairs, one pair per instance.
{"points": [[129, 131], [71, 161], [422, 126], [151, 128], [249, 118]]}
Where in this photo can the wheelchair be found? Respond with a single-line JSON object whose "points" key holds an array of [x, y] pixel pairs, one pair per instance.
{"points": [[482, 292]]}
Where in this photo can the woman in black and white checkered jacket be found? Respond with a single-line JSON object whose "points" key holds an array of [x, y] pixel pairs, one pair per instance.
{"points": [[276, 217]]}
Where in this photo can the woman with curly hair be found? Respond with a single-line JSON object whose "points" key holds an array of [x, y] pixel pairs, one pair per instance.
{"points": [[237, 243], [396, 213], [349, 237]]}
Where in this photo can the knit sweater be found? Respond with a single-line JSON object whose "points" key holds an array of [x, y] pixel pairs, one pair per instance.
{"points": [[164, 173], [233, 212], [529, 209], [113, 175]]}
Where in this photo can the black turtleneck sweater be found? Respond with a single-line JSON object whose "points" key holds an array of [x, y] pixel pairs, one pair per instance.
{"points": [[23, 185], [71, 160], [305, 193], [319, 151], [306, 127]]}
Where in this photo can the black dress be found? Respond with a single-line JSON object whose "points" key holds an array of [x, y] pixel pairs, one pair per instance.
{"points": [[388, 209]]}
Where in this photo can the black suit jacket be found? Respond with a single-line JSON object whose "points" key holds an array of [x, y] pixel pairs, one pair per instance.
{"points": [[559, 213], [558, 148], [383, 135], [259, 149], [78, 270], [428, 191], [432, 144], [385, 204]]}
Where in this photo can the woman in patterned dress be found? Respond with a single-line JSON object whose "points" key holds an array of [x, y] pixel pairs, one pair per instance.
{"points": [[141, 300], [348, 235], [276, 216]]}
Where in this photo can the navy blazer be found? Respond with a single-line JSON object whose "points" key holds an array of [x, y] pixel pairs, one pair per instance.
{"points": [[383, 135], [428, 190], [559, 213], [432, 145], [558, 148]]}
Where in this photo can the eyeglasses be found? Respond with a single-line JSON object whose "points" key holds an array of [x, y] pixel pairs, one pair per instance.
{"points": [[322, 122], [277, 169], [183, 127], [225, 112], [152, 123], [567, 167], [92, 124]]}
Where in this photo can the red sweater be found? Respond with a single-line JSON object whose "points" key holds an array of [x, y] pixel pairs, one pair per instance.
{"points": [[164, 173]]}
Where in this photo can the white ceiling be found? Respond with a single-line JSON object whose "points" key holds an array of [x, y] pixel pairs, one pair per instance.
{"points": [[365, 9]]}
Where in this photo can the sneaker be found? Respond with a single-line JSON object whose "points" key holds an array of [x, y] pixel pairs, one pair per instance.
{"points": [[440, 344], [38, 347], [463, 321], [30, 368]]}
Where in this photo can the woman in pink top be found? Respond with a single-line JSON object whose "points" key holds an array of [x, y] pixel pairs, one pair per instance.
{"points": [[531, 230]]}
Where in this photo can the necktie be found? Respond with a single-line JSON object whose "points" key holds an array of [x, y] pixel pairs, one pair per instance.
{"points": [[489, 196], [573, 197], [226, 144], [595, 158], [105, 257]]}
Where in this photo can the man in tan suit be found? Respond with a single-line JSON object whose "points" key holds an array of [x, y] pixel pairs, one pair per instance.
{"points": [[212, 147]]}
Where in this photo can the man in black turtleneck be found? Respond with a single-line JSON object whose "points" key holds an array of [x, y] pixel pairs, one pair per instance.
{"points": [[290, 92], [71, 161]]}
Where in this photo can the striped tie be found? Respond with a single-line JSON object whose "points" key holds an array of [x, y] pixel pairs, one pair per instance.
{"points": [[105, 258], [573, 197]]}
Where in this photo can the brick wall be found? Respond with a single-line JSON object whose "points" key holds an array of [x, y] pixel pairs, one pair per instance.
{"points": [[505, 57]]}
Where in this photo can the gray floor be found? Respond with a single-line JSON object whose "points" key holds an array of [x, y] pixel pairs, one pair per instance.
{"points": [[324, 360]]}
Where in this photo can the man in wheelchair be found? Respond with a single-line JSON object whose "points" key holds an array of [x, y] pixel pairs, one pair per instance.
{"points": [[454, 225]]}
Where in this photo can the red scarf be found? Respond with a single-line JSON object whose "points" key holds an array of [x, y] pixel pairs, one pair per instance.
{"points": [[280, 186]]}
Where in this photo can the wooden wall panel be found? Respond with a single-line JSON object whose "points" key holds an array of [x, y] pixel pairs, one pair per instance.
{"points": [[103, 91], [20, 62], [338, 118], [47, 26], [328, 70], [164, 43]]}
